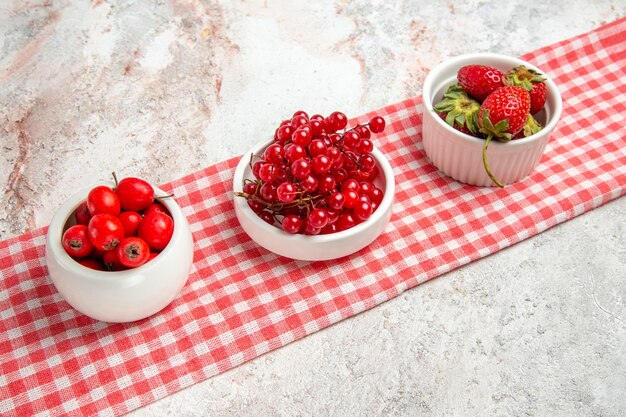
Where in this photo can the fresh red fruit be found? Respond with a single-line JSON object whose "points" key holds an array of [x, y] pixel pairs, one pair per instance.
{"points": [[318, 218], [531, 126], [91, 264], [154, 208], [504, 112], [267, 217], [480, 80], [81, 214], [362, 210], [105, 231], [111, 261], [156, 230], [459, 110], [292, 223], [502, 115], [377, 124], [339, 120], [286, 192], [297, 181], [76, 242], [531, 80], [133, 252], [134, 194], [130, 220], [152, 256], [102, 199]]}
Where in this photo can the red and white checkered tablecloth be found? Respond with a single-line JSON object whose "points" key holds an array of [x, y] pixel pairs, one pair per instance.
{"points": [[242, 301]]}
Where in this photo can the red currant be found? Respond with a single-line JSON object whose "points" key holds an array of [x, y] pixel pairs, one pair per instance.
{"points": [[318, 218], [301, 168], [377, 124], [292, 223], [286, 192], [321, 164]]}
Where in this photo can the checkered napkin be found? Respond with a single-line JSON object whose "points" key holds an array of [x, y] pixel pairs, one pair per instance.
{"points": [[242, 301]]}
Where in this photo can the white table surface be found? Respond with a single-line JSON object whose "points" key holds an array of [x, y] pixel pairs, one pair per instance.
{"points": [[159, 89]]}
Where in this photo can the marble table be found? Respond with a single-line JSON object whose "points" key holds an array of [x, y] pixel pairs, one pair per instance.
{"points": [[158, 89]]}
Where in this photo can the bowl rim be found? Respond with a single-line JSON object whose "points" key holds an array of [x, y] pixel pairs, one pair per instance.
{"points": [[552, 88], [54, 234], [387, 201]]}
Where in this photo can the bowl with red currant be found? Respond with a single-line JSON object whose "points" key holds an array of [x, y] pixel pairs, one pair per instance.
{"points": [[119, 252], [487, 118], [318, 190]]}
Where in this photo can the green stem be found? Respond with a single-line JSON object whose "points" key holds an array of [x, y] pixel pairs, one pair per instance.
{"points": [[486, 165]]}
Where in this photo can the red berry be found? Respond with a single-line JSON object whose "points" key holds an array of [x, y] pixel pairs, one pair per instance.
{"points": [[292, 223], [155, 207], [346, 221], [112, 262], [130, 221], [362, 210], [81, 214], [318, 218], [309, 184], [301, 168], [133, 252], [338, 120], [321, 164], [105, 231], [335, 200], [538, 96], [76, 241], [102, 199], [274, 153], [286, 192], [134, 194], [509, 105], [156, 230], [283, 134], [531, 80], [267, 217], [480, 80], [377, 124]]}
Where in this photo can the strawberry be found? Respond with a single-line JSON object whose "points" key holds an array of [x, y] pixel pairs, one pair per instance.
{"points": [[532, 81], [480, 80], [501, 116], [504, 112], [531, 126], [459, 110]]}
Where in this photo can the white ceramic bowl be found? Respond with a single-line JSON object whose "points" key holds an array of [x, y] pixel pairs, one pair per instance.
{"points": [[459, 155], [319, 247], [121, 296]]}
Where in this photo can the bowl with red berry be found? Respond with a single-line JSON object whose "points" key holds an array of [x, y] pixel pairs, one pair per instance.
{"points": [[119, 252], [487, 118], [318, 190]]}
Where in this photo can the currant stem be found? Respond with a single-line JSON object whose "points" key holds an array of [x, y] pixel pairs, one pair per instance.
{"points": [[486, 165]]}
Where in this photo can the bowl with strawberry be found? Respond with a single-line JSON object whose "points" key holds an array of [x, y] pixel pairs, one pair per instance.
{"points": [[318, 190], [119, 252], [487, 118]]}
